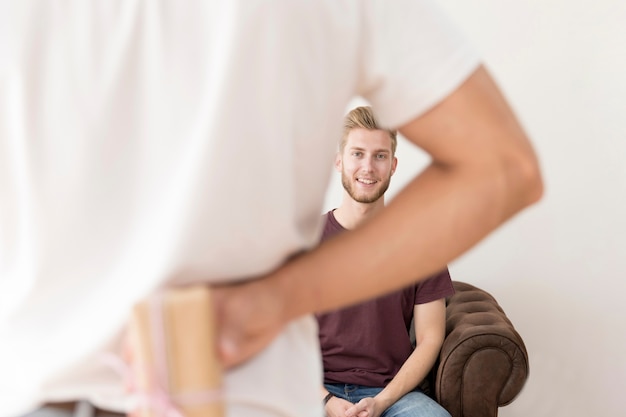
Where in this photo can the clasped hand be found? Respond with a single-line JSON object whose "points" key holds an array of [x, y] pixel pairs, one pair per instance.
{"points": [[338, 407]]}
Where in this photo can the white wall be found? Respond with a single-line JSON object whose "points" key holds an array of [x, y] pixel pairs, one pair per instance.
{"points": [[558, 269]]}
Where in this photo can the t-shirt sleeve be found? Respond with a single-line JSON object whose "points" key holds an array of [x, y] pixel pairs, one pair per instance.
{"points": [[413, 58], [435, 287]]}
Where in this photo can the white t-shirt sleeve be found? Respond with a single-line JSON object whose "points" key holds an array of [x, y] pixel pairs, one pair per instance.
{"points": [[413, 58]]}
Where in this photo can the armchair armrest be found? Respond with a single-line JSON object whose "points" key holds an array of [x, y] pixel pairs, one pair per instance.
{"points": [[483, 362]]}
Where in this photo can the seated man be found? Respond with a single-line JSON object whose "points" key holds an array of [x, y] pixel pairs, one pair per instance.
{"points": [[369, 362]]}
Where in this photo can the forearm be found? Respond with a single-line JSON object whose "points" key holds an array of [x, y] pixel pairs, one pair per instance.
{"points": [[444, 211], [411, 374]]}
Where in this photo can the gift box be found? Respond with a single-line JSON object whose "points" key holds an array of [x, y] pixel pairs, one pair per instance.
{"points": [[173, 354]]}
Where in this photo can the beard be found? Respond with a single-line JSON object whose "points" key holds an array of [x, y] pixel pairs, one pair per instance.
{"points": [[365, 198]]}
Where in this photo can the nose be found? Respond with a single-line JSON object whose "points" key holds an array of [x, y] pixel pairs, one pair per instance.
{"points": [[367, 165]]}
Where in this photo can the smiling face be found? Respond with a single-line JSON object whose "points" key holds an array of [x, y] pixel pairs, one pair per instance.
{"points": [[366, 163]]}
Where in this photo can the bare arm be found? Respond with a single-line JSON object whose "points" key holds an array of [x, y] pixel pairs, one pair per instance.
{"points": [[429, 334], [483, 171]]}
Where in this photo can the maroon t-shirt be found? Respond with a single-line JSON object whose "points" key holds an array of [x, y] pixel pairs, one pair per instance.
{"points": [[366, 344]]}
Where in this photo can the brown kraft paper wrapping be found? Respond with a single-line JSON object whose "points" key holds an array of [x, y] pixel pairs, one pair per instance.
{"points": [[174, 360]]}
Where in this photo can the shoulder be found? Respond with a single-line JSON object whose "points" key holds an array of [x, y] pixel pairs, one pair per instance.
{"points": [[331, 225], [416, 56], [434, 287]]}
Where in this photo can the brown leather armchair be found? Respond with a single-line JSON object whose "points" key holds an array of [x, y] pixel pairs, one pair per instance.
{"points": [[483, 363]]}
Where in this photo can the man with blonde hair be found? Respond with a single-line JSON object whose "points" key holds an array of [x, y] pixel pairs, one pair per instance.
{"points": [[369, 362]]}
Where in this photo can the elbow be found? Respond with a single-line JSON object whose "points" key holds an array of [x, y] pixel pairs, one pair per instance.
{"points": [[522, 180], [530, 180]]}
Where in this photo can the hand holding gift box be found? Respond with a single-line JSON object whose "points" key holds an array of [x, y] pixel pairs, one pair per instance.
{"points": [[175, 366]]}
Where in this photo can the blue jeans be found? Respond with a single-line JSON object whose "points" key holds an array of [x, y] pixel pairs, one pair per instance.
{"points": [[412, 404]]}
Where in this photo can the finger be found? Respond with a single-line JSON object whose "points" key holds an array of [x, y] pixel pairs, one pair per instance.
{"points": [[228, 351], [354, 410], [351, 412]]}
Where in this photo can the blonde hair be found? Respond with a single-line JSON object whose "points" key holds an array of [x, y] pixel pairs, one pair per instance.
{"points": [[363, 117]]}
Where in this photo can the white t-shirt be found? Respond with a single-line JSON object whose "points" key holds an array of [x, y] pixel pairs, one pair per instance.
{"points": [[144, 142]]}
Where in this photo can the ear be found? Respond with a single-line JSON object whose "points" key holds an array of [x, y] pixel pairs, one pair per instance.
{"points": [[338, 162], [394, 164]]}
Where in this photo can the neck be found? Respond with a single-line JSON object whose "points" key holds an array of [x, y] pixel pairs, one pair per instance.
{"points": [[351, 213]]}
